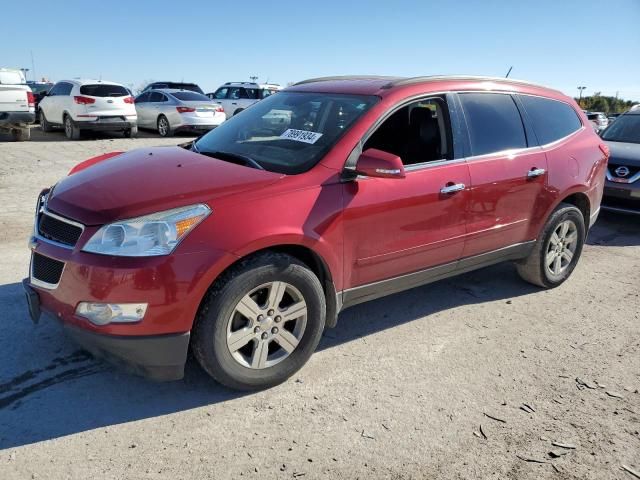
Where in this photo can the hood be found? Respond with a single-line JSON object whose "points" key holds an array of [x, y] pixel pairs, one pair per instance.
{"points": [[150, 180], [624, 153]]}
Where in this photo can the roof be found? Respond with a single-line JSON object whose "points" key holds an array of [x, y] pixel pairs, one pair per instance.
{"points": [[85, 81], [251, 84], [375, 84]]}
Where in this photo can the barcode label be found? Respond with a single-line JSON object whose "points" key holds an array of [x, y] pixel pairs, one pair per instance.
{"points": [[301, 136]]}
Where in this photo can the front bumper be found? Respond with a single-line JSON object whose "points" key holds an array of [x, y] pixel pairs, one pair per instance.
{"points": [[621, 197], [159, 357], [16, 118]]}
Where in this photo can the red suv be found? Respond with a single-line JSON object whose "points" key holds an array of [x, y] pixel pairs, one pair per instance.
{"points": [[246, 243]]}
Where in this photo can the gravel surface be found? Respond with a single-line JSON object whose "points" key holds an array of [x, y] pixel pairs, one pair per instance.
{"points": [[480, 376]]}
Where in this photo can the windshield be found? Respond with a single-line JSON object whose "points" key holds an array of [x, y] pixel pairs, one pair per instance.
{"points": [[626, 128], [289, 132]]}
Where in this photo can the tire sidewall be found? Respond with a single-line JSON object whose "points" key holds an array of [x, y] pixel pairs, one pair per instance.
{"points": [[562, 214], [213, 327], [168, 130]]}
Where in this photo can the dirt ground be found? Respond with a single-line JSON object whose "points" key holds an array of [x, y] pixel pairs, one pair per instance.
{"points": [[468, 378]]}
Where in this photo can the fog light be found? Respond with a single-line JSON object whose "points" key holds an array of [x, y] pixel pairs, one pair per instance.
{"points": [[105, 313]]}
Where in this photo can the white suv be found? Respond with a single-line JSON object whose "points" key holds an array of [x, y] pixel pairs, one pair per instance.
{"points": [[236, 96], [97, 105]]}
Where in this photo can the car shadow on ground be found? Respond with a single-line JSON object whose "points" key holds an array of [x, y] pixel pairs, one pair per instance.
{"points": [[50, 388], [615, 230], [57, 135]]}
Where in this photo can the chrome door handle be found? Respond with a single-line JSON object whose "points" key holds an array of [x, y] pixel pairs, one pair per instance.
{"points": [[535, 172], [457, 187]]}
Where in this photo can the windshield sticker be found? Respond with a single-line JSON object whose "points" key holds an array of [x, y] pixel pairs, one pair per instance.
{"points": [[301, 136]]}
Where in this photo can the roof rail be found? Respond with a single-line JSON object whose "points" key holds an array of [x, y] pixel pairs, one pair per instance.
{"points": [[401, 81], [346, 77], [435, 78]]}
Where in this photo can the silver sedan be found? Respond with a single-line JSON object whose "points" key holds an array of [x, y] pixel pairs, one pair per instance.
{"points": [[170, 111]]}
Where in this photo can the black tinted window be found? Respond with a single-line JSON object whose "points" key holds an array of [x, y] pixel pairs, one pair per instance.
{"points": [[157, 97], [62, 88], [143, 98], [552, 120], [102, 90], [493, 121], [190, 96]]}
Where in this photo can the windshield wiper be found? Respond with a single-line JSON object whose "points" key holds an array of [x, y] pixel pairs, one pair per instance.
{"points": [[230, 156]]}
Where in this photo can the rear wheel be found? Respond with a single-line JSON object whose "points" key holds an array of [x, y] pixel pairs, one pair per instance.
{"points": [[44, 124], [71, 130], [21, 134], [558, 249], [131, 132], [164, 128], [260, 323]]}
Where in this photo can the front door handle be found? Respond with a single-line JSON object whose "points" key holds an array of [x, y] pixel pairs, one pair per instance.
{"points": [[456, 187], [535, 172]]}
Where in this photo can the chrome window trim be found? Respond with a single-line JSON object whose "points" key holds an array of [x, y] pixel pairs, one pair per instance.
{"points": [[44, 211], [39, 283]]}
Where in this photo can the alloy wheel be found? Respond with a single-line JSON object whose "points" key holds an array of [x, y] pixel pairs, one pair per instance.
{"points": [[163, 126], [267, 325], [562, 247]]}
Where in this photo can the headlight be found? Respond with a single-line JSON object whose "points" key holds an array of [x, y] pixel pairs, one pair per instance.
{"points": [[151, 235]]}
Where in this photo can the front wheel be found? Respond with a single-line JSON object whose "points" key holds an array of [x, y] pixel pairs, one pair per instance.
{"points": [[557, 250], [44, 123], [260, 323]]}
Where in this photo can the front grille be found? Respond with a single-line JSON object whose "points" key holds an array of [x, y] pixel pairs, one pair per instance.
{"points": [[632, 170], [58, 230], [46, 269]]}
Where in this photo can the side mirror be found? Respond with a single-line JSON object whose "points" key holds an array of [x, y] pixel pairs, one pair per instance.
{"points": [[378, 164]]}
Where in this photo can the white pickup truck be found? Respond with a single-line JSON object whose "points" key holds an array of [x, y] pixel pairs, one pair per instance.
{"points": [[17, 104]]}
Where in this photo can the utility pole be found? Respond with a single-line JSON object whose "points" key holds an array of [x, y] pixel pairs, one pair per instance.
{"points": [[580, 97], [33, 68]]}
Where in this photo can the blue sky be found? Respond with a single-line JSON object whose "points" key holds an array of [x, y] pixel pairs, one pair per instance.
{"points": [[560, 43]]}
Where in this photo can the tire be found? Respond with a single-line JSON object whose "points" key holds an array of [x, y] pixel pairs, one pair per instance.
{"points": [[71, 130], [541, 267], [131, 132], [22, 134], [45, 126], [265, 275], [164, 128], [238, 111]]}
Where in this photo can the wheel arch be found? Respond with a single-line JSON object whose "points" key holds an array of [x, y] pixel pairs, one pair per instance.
{"points": [[581, 201], [316, 263]]}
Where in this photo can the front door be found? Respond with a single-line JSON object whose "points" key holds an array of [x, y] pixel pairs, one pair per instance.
{"points": [[393, 227]]}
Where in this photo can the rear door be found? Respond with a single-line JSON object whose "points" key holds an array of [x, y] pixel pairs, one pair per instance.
{"points": [[106, 100], [508, 173], [142, 109], [220, 96]]}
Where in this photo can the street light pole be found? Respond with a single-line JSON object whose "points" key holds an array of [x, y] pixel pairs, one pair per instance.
{"points": [[580, 96]]}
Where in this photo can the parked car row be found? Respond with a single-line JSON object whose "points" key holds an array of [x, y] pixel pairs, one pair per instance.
{"points": [[167, 107]]}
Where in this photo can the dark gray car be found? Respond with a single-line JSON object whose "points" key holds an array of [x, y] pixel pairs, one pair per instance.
{"points": [[622, 187]]}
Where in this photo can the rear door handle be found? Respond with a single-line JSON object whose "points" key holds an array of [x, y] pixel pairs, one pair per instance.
{"points": [[535, 172], [456, 187]]}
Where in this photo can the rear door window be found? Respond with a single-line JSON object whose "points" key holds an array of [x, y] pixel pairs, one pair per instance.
{"points": [[552, 119], [104, 90], [157, 97], [493, 121]]}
